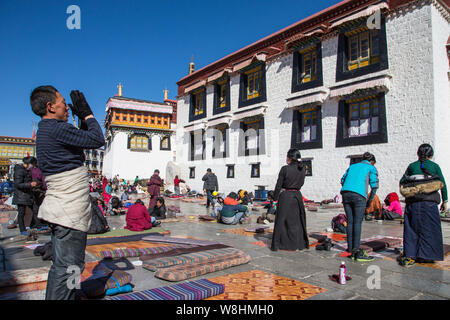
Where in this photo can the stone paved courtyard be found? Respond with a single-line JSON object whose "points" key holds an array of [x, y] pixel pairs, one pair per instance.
{"points": [[311, 266]]}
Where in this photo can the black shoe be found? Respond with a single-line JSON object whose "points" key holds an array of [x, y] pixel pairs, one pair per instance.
{"points": [[156, 223], [362, 256]]}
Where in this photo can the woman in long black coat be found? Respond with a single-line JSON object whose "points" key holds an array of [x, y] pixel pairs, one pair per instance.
{"points": [[22, 192], [290, 221]]}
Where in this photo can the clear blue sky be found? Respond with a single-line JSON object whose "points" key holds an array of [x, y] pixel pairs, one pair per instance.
{"points": [[145, 45]]}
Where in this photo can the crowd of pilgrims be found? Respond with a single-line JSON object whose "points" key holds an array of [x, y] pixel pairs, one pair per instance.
{"points": [[284, 206]]}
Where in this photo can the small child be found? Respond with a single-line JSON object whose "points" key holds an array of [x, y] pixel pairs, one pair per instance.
{"points": [[271, 207], [218, 207]]}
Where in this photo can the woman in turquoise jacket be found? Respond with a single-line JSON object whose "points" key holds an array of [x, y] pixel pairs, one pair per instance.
{"points": [[355, 189]]}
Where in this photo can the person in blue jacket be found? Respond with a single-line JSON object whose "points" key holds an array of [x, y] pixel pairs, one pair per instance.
{"points": [[355, 190]]}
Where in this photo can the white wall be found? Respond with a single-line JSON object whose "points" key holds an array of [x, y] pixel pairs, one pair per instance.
{"points": [[441, 33], [129, 164], [409, 110]]}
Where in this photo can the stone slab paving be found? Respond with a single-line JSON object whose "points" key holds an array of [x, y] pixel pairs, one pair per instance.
{"points": [[309, 266]]}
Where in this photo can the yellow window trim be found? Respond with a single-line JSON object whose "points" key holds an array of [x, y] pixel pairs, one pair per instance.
{"points": [[258, 68], [313, 48], [355, 31]]}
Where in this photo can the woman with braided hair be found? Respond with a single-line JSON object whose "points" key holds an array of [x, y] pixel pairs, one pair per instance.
{"points": [[290, 221], [422, 232]]}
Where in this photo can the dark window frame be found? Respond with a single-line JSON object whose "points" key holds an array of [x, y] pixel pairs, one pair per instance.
{"points": [[243, 139], [216, 108], [149, 142], [243, 101], [297, 129], [342, 137], [308, 162], [226, 152], [191, 172], [298, 66], [342, 57], [192, 148], [161, 144], [252, 167], [229, 175], [192, 116]]}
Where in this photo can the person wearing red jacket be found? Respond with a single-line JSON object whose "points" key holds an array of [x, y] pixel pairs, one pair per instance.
{"points": [[138, 219]]}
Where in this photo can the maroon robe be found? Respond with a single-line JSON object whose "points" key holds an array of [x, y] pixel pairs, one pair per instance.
{"points": [[154, 187], [137, 218]]}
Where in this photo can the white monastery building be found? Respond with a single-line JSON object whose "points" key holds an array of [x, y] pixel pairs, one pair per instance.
{"points": [[362, 75], [139, 137]]}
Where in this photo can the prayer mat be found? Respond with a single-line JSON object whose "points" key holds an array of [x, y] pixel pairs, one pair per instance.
{"points": [[135, 237], [332, 206], [136, 252], [126, 232], [97, 249], [189, 258], [321, 236], [187, 271], [312, 208], [190, 290], [168, 220], [179, 240], [242, 232], [179, 251], [253, 228], [260, 285], [206, 217], [24, 276], [369, 244], [4, 217]]}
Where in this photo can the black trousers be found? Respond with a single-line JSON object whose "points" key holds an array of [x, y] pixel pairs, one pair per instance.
{"points": [[21, 208], [68, 263]]}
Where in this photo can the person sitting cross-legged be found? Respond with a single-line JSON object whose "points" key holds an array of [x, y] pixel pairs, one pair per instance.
{"points": [[138, 219], [233, 212]]}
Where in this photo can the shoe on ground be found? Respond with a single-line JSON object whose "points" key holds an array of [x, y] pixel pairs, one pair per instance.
{"points": [[406, 262], [362, 256], [421, 260], [12, 226], [25, 233], [156, 223]]}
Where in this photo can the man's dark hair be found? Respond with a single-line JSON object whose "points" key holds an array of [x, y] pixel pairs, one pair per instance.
{"points": [[156, 171], [39, 98], [160, 200], [27, 160], [232, 195], [139, 201], [271, 194], [208, 170]]}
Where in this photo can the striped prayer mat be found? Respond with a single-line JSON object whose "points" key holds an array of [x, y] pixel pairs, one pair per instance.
{"points": [[188, 258], [191, 290], [126, 232], [179, 240], [136, 252], [192, 270], [134, 237], [97, 249], [179, 251]]}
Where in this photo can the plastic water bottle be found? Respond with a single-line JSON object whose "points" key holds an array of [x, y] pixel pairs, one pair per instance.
{"points": [[342, 273]]}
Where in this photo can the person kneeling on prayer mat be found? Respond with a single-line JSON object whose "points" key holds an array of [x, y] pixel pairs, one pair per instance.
{"points": [[138, 219], [233, 212]]}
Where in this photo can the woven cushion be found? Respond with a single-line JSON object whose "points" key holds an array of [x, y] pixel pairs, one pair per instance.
{"points": [[104, 279], [191, 290], [392, 242], [152, 265], [187, 271], [179, 251], [375, 244], [136, 252]]}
